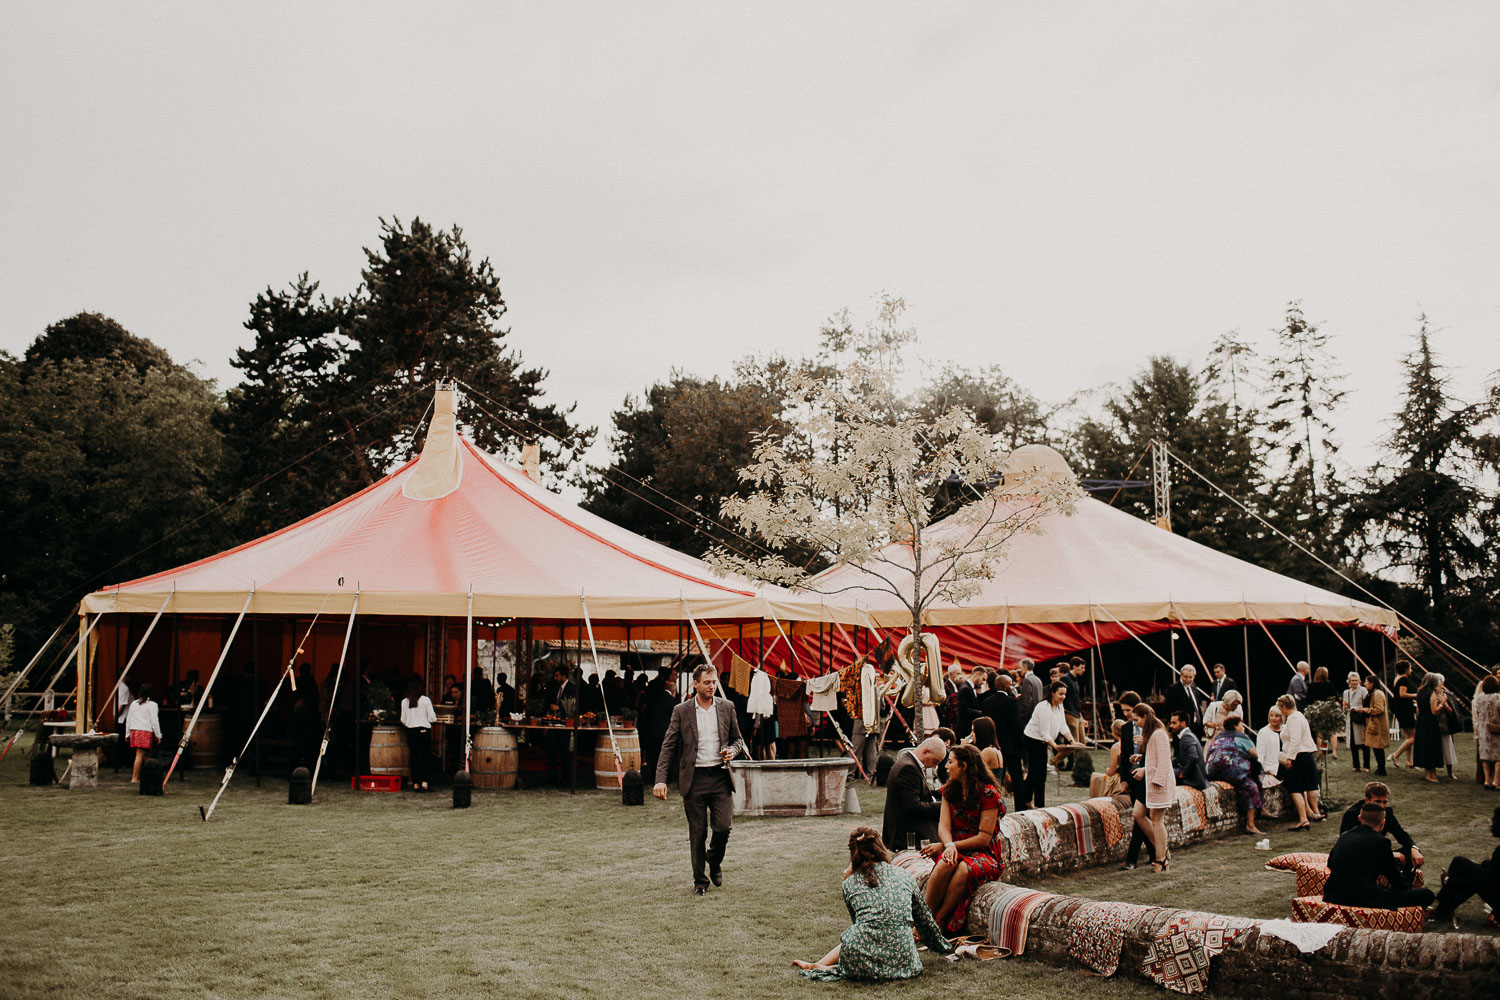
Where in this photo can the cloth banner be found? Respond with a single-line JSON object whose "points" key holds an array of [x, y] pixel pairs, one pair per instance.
{"points": [[1114, 830], [1096, 933], [1178, 957]]}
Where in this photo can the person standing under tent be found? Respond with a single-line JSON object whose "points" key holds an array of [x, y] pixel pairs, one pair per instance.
{"points": [[1161, 786], [1184, 697], [417, 717], [123, 698], [1047, 730], [1299, 686], [1404, 709], [143, 728], [702, 738], [1353, 700], [1431, 703], [1002, 707], [1377, 722], [1222, 683], [1299, 763]]}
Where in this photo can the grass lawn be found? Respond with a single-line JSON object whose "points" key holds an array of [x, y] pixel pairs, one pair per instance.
{"points": [[529, 893]]}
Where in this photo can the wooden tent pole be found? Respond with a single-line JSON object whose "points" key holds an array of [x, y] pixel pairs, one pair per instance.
{"points": [[187, 732]]}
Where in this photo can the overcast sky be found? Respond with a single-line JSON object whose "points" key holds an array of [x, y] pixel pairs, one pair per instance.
{"points": [[1059, 189]]}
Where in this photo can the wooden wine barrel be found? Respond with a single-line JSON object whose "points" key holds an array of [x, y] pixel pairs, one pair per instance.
{"points": [[206, 747], [604, 758], [388, 751], [494, 759]]}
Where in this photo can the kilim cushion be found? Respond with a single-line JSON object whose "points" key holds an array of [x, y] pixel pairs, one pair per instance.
{"points": [[1290, 862], [1313, 910]]}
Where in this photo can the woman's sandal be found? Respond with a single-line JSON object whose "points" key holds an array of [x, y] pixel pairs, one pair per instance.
{"points": [[1300, 826], [983, 952]]}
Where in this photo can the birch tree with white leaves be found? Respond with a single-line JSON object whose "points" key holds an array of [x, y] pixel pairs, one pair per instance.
{"points": [[867, 479]]}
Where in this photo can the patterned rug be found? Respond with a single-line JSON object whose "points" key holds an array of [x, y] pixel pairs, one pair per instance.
{"points": [[1082, 827], [1097, 932], [1192, 808], [1046, 830], [1178, 957], [1012, 840], [1114, 830], [1010, 916]]}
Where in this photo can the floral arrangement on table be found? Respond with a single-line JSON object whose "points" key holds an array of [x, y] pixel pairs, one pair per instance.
{"points": [[380, 702]]}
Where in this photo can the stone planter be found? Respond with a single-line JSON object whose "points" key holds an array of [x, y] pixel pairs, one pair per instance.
{"points": [[808, 787]]}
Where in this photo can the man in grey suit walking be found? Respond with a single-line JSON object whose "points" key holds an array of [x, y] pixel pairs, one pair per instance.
{"points": [[702, 738]]}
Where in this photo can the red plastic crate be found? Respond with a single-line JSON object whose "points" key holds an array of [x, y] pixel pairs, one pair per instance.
{"points": [[376, 783]]}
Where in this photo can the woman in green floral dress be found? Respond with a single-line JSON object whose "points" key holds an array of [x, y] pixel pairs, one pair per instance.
{"points": [[886, 905]]}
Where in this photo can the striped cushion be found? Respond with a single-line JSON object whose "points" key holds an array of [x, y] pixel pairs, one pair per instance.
{"points": [[1313, 910]]}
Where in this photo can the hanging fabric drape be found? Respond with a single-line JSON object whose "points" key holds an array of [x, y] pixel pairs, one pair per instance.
{"points": [[187, 732], [288, 676], [333, 697], [110, 701], [609, 726]]}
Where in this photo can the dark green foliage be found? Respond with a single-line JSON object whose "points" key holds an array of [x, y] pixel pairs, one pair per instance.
{"points": [[109, 474], [335, 392], [1165, 401], [89, 337], [687, 438], [1423, 514]]}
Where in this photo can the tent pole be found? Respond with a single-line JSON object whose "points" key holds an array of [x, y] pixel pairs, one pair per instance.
{"points": [[468, 674], [614, 744], [1245, 632], [5, 699], [1093, 679], [287, 676], [187, 732], [68, 661], [131, 662], [702, 646], [333, 696]]}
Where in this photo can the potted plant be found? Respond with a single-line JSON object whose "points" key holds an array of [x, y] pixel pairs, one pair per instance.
{"points": [[627, 718]]}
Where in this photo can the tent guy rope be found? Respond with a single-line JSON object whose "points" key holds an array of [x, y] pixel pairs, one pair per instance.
{"points": [[187, 731], [333, 696]]}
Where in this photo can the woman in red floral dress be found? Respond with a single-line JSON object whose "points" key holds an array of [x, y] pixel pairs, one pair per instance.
{"points": [[968, 854]]}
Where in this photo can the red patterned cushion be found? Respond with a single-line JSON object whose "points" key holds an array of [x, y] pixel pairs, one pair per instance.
{"points": [[1311, 879], [1291, 862], [1313, 910]]}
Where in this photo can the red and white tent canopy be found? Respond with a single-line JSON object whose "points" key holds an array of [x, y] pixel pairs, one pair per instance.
{"points": [[453, 522], [1093, 577]]}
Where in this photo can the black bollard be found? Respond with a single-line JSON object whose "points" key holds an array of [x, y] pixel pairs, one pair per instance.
{"points": [[463, 790], [632, 789], [299, 789], [153, 773]]}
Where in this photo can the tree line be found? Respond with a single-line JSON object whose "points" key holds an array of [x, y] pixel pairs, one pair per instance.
{"points": [[118, 461]]}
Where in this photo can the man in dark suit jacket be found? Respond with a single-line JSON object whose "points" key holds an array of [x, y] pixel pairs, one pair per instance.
{"points": [[1183, 696], [966, 702], [1001, 705], [1222, 682], [701, 740], [1362, 855], [1465, 879], [1408, 857], [909, 807], [1187, 762]]}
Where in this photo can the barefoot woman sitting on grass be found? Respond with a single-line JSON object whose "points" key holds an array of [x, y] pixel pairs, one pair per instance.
{"points": [[886, 907], [966, 854]]}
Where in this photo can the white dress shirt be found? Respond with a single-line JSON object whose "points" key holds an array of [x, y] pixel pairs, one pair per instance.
{"points": [[708, 735], [1048, 724]]}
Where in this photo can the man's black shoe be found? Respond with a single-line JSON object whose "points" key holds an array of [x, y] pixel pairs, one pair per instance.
{"points": [[700, 890], [716, 876]]}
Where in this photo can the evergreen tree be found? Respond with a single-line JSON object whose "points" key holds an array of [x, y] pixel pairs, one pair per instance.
{"points": [[1303, 385], [686, 438], [1166, 402], [1231, 375], [1424, 512], [339, 389]]}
